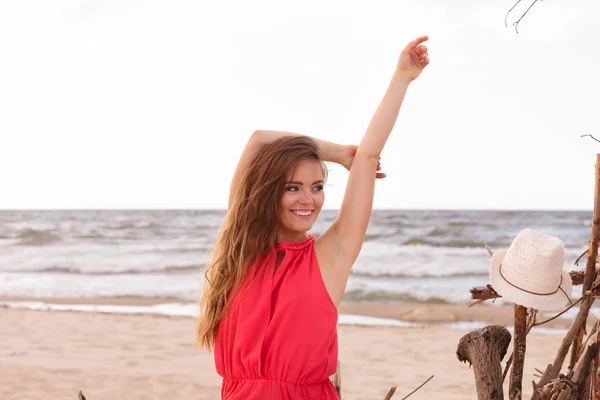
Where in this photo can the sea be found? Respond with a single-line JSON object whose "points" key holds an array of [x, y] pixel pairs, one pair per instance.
{"points": [[424, 256]]}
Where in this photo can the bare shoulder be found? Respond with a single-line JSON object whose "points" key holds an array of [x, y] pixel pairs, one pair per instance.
{"points": [[332, 248], [334, 263]]}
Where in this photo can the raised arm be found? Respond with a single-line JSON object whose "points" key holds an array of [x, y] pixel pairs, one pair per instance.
{"points": [[329, 151], [340, 245]]}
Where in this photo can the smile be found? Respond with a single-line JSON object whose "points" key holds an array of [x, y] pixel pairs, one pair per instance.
{"points": [[302, 213]]}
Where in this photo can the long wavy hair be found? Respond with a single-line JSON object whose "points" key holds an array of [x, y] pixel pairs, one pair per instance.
{"points": [[250, 227]]}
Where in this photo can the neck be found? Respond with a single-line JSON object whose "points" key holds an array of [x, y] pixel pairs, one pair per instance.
{"points": [[291, 236]]}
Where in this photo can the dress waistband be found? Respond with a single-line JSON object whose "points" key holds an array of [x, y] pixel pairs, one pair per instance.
{"points": [[274, 381]]}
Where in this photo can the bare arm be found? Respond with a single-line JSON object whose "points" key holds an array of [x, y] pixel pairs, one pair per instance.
{"points": [[340, 245], [329, 151]]}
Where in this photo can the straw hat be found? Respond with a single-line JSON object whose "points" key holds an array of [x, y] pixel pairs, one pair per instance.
{"points": [[531, 272]]}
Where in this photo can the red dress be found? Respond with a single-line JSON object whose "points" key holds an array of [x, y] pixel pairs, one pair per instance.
{"points": [[278, 339]]}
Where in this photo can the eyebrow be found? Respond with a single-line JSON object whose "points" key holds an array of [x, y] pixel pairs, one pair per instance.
{"points": [[300, 183]]}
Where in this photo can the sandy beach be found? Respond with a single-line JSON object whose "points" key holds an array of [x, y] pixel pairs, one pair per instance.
{"points": [[54, 354]]}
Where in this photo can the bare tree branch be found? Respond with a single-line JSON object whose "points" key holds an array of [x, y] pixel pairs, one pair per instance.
{"points": [[515, 24], [579, 258], [591, 137], [390, 393], [506, 16], [420, 386]]}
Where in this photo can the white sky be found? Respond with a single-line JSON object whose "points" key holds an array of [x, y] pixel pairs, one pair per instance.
{"points": [[148, 104]]}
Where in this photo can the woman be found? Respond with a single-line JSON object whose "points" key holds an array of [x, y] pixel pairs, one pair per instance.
{"points": [[271, 294]]}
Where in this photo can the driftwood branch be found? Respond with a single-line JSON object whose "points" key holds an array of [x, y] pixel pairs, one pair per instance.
{"points": [[581, 371], [531, 317], [393, 389], [390, 393], [484, 349], [520, 339], [595, 378], [554, 369], [576, 348], [488, 293], [582, 380], [575, 385], [590, 279], [579, 258]]}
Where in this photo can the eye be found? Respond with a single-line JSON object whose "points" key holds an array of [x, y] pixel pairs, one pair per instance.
{"points": [[292, 188], [318, 188]]}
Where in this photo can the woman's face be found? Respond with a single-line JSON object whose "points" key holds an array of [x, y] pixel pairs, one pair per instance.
{"points": [[302, 200]]}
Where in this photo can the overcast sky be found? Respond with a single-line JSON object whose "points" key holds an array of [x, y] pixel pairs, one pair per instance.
{"points": [[148, 104]]}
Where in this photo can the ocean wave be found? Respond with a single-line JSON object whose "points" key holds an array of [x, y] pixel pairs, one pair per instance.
{"points": [[372, 237], [465, 224], [441, 243], [93, 234], [32, 237], [419, 274], [359, 294], [438, 232], [168, 270], [143, 224]]}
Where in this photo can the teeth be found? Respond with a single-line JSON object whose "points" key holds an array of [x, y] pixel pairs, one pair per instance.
{"points": [[302, 213]]}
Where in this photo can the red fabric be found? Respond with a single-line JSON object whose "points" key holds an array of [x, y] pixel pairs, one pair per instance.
{"points": [[278, 339]]}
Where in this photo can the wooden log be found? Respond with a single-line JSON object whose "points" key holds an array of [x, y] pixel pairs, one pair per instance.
{"points": [[488, 293], [520, 339], [595, 375], [565, 394], [544, 392], [571, 335], [590, 272], [590, 266], [576, 348], [587, 393], [592, 253], [484, 349], [581, 371]]}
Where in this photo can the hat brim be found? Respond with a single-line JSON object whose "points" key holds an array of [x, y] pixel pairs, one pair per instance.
{"points": [[553, 302]]}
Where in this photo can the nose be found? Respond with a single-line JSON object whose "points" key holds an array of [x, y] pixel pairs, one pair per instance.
{"points": [[306, 198]]}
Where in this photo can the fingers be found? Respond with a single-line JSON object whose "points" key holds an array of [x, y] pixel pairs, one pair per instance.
{"points": [[421, 50], [415, 43], [421, 54]]}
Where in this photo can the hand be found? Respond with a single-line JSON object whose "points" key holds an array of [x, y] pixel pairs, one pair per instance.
{"points": [[413, 59], [348, 158]]}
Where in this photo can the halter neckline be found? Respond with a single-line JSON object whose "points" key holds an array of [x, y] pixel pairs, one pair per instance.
{"points": [[295, 245]]}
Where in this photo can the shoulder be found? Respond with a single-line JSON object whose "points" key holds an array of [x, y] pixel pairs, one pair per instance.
{"points": [[331, 249]]}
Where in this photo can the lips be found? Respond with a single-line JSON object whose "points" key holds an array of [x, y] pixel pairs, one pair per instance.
{"points": [[302, 213]]}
